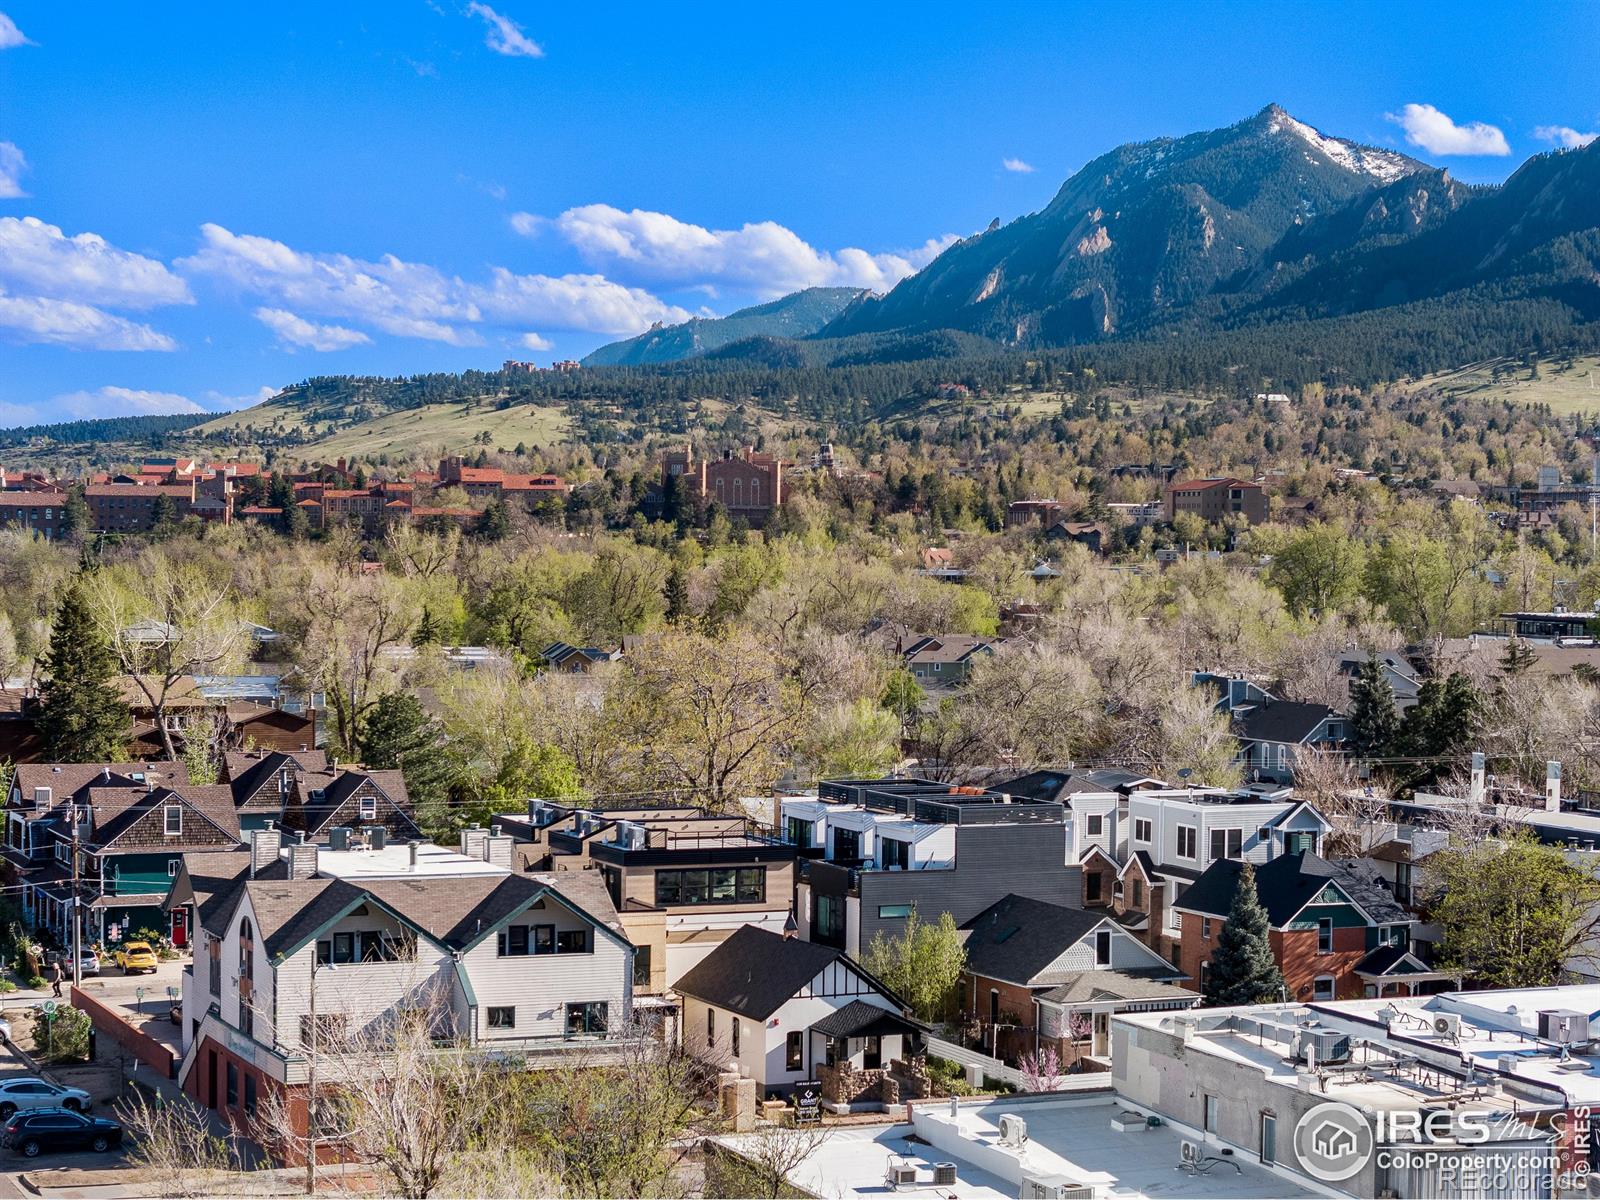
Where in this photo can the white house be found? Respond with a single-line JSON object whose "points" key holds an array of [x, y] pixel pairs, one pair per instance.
{"points": [[778, 1009]]}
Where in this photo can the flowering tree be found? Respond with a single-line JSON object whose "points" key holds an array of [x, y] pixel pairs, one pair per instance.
{"points": [[1041, 1072]]}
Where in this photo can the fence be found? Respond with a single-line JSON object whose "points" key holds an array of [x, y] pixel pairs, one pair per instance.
{"points": [[110, 1023], [992, 1067]]}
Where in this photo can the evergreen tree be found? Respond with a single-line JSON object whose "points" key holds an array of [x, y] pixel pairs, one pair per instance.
{"points": [[75, 516], [1374, 725], [81, 717], [399, 736], [494, 522], [427, 630], [1444, 719], [1243, 970], [677, 594], [1519, 656], [164, 512]]}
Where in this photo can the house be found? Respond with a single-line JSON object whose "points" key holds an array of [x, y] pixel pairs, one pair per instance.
{"points": [[1042, 975], [576, 660], [499, 959], [319, 801], [682, 880], [1216, 499], [1088, 534], [872, 851], [1033, 512], [262, 781], [946, 658], [129, 824], [1395, 668], [783, 1011], [1337, 931], [1273, 734]]}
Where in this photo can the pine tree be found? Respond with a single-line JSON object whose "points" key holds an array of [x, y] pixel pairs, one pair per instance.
{"points": [[1243, 970], [427, 630], [163, 512], [399, 736], [1374, 725], [677, 594], [494, 522], [1519, 656], [81, 717]]}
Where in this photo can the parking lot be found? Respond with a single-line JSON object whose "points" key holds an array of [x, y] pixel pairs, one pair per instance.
{"points": [[12, 1165]]}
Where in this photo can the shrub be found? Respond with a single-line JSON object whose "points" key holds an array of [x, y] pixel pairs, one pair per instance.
{"points": [[63, 1038], [37, 981]]}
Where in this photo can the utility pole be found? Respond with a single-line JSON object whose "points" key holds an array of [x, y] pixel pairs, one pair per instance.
{"points": [[77, 918], [311, 1087]]}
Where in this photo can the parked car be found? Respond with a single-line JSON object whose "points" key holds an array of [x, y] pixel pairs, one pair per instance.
{"points": [[5, 1030], [42, 1129], [31, 1092], [135, 957], [89, 964]]}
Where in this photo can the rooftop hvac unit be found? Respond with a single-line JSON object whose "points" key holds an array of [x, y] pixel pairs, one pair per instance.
{"points": [[339, 838], [901, 1174], [1013, 1130], [1447, 1025], [1189, 1152], [1563, 1026], [377, 836], [944, 1174], [1055, 1187]]}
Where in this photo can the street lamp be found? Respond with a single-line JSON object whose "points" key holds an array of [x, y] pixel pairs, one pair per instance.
{"points": [[311, 1080]]}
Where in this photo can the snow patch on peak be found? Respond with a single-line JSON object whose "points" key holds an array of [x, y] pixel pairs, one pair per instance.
{"points": [[1383, 165]]}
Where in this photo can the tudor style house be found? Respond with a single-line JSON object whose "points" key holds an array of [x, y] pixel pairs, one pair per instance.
{"points": [[1337, 932], [496, 957], [130, 823], [782, 1011], [1044, 975]]}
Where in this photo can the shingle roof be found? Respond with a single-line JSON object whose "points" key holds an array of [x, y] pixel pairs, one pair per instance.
{"points": [[117, 810], [251, 773], [860, 1019], [68, 779], [1288, 883], [1289, 721], [1085, 986], [755, 972], [1016, 939]]}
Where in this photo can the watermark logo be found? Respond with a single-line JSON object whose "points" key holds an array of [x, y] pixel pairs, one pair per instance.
{"points": [[1333, 1141]]}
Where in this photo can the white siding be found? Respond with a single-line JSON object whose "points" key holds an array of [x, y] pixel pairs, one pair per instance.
{"points": [[539, 986]]}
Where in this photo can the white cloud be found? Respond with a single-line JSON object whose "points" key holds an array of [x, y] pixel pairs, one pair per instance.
{"points": [[1436, 133], [40, 259], [1564, 135], [505, 35], [416, 300], [12, 165], [297, 331], [45, 320], [10, 35], [534, 341], [763, 256], [222, 402], [1017, 165], [122, 402], [527, 224]]}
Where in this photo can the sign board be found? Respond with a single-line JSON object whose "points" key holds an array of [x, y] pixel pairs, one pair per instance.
{"points": [[49, 1007], [807, 1102]]}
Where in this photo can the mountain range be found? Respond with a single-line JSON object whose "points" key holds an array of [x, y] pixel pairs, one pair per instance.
{"points": [[1265, 221]]}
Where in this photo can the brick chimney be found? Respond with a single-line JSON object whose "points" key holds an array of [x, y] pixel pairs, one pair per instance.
{"points": [[265, 844], [303, 860]]}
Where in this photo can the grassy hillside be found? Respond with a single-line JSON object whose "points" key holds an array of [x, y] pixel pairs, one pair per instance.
{"points": [[1567, 385], [443, 428]]}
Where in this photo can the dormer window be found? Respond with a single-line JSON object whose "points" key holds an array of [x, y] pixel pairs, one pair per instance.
{"points": [[173, 816]]}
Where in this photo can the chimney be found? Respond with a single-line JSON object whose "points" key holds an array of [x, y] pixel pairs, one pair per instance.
{"points": [[302, 861], [497, 849], [473, 841], [264, 846]]}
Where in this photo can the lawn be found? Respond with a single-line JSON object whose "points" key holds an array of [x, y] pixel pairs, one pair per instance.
{"points": [[428, 431], [1567, 389]]}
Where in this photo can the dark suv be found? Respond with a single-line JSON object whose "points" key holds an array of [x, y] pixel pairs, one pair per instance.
{"points": [[44, 1129]]}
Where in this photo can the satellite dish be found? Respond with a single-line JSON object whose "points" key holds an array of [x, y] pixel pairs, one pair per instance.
{"points": [[1185, 772]]}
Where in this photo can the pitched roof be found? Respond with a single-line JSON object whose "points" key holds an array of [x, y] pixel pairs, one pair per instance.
{"points": [[1085, 986], [249, 773], [68, 779], [1289, 721], [315, 814], [1290, 882], [754, 972], [1057, 785], [860, 1019], [118, 809], [1016, 939]]}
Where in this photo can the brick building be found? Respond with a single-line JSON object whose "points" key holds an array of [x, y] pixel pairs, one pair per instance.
{"points": [[1214, 500], [41, 513], [135, 507], [750, 485]]}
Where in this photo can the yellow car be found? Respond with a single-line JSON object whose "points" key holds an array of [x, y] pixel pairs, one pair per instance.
{"points": [[137, 956]]}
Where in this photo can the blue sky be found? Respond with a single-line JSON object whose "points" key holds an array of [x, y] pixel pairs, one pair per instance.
{"points": [[201, 203]]}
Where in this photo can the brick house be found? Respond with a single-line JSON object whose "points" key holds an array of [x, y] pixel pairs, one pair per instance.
{"points": [[40, 513], [1337, 932], [748, 486], [1214, 500]]}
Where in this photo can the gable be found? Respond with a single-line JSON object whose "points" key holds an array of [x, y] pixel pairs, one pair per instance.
{"points": [[147, 831], [840, 978]]}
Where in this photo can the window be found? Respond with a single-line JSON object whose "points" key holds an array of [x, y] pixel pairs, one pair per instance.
{"points": [[1091, 887], [894, 854], [1138, 894], [1102, 948], [1324, 935], [827, 919], [1264, 835], [572, 941], [586, 1018], [1205, 928], [503, 1017], [344, 947], [1141, 830], [173, 815], [799, 832], [794, 1051], [1094, 824], [1210, 1118], [736, 1037], [1322, 988], [250, 1095], [846, 844], [1269, 1139], [233, 1085], [518, 940], [721, 885], [641, 966], [329, 1029], [369, 808], [711, 1027], [1226, 843], [1185, 841], [172, 868], [891, 911]]}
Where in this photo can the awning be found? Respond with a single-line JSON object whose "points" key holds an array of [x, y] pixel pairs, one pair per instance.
{"points": [[860, 1019]]}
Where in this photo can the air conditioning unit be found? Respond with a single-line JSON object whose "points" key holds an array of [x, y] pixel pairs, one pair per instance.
{"points": [[1447, 1025], [1190, 1152], [1013, 1130], [901, 1175], [1563, 1026], [1055, 1187]]}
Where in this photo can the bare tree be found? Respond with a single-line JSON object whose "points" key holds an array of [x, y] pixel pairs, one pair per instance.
{"points": [[1358, 813], [172, 1140], [166, 623], [762, 1161]]}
